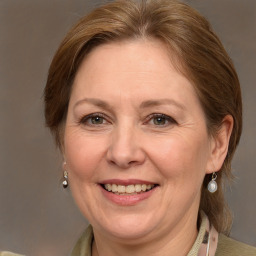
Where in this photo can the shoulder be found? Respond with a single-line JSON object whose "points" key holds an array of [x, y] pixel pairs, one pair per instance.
{"points": [[231, 247], [9, 254], [83, 245]]}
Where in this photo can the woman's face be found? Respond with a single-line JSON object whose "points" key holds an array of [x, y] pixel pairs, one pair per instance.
{"points": [[134, 123]]}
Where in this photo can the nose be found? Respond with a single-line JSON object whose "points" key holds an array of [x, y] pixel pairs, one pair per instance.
{"points": [[125, 149]]}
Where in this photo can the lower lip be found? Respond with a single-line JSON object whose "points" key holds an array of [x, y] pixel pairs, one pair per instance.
{"points": [[128, 200]]}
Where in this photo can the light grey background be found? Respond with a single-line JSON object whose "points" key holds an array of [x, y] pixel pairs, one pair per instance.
{"points": [[37, 217]]}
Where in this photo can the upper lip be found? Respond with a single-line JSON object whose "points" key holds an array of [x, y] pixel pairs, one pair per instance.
{"points": [[126, 182]]}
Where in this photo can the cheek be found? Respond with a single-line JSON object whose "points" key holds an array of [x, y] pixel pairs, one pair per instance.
{"points": [[83, 155], [179, 157]]}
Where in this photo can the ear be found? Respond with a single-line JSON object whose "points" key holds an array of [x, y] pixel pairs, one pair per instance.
{"points": [[219, 145], [64, 165]]}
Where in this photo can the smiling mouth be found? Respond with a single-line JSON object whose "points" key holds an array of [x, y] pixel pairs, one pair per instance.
{"points": [[132, 189]]}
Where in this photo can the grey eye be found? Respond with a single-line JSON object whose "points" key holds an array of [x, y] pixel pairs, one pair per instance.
{"points": [[97, 120], [159, 120]]}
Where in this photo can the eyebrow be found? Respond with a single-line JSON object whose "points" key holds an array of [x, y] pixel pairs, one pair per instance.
{"points": [[144, 104], [159, 102], [93, 101]]}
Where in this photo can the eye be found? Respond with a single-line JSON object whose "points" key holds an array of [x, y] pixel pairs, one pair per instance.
{"points": [[94, 119], [97, 120], [161, 120]]}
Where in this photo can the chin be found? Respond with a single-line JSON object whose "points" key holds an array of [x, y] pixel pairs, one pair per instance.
{"points": [[129, 227], [130, 232]]}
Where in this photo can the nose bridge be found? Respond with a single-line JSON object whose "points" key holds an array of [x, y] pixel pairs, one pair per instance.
{"points": [[124, 149]]}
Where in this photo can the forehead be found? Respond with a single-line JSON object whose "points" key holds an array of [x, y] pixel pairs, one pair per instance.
{"points": [[142, 62], [135, 56]]}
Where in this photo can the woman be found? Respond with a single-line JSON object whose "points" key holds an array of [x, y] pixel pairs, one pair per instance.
{"points": [[145, 106]]}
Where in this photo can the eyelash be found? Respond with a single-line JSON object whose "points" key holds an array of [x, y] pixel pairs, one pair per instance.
{"points": [[167, 118], [85, 119]]}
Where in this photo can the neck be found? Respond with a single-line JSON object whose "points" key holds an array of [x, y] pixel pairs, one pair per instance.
{"points": [[178, 241]]}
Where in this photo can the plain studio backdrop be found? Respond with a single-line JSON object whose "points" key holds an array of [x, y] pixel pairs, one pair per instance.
{"points": [[39, 218]]}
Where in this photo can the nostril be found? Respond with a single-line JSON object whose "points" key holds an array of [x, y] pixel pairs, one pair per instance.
{"points": [[125, 154], [123, 163], [132, 163]]}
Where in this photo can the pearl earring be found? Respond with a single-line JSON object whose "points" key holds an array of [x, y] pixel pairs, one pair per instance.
{"points": [[212, 186], [65, 175], [65, 181]]}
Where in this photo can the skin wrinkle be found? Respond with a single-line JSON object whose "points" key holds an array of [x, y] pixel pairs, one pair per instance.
{"points": [[145, 104], [174, 156], [160, 104]]}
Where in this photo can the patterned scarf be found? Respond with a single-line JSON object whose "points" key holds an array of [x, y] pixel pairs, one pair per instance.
{"points": [[210, 241]]}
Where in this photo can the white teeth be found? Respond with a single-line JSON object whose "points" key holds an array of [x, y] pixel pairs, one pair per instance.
{"points": [[108, 187], [149, 187], [138, 188], [114, 188], [121, 188], [130, 189], [144, 187]]}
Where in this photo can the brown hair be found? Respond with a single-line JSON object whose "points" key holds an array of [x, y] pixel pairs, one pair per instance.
{"points": [[201, 57]]}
